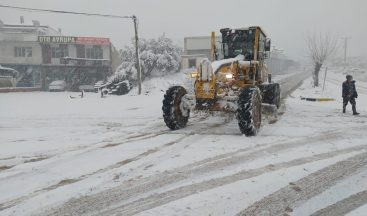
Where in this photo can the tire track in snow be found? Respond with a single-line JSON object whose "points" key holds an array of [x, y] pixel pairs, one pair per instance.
{"points": [[86, 148], [291, 83], [156, 200], [64, 182], [344, 206], [131, 138], [284, 200], [151, 131], [218, 163]]}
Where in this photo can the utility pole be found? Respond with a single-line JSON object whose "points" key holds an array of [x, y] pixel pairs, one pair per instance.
{"points": [[323, 86], [345, 48], [135, 19]]}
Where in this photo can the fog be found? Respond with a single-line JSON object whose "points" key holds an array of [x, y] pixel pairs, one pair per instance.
{"points": [[287, 22]]}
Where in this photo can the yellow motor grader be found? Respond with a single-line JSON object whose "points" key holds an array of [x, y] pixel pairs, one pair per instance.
{"points": [[238, 83]]}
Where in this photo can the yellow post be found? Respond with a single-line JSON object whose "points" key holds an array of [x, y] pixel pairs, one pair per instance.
{"points": [[212, 45]]}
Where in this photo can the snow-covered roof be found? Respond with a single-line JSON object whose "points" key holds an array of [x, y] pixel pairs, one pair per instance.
{"points": [[247, 28], [193, 55], [6, 68], [28, 29], [86, 59]]}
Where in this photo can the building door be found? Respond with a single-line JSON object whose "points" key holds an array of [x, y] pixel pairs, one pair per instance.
{"points": [[192, 63], [46, 54]]}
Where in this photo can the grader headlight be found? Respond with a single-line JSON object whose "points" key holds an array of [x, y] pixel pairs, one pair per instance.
{"points": [[194, 74], [229, 76]]}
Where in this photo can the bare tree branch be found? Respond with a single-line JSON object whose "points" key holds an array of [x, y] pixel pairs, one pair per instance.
{"points": [[320, 48]]}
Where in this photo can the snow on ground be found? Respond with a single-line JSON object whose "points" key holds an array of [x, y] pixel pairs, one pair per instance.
{"points": [[114, 155]]}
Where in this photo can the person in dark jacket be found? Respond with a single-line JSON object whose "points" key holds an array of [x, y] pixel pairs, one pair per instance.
{"points": [[350, 94]]}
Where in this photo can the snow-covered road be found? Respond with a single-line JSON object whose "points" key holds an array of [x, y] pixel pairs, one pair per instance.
{"points": [[114, 156]]}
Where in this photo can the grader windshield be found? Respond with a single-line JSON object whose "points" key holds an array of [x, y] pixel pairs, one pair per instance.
{"points": [[238, 42]]}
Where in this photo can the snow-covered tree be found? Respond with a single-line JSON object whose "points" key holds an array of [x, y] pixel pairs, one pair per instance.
{"points": [[320, 49], [158, 57]]}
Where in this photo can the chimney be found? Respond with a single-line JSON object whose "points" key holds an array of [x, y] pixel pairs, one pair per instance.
{"points": [[36, 23], [21, 20]]}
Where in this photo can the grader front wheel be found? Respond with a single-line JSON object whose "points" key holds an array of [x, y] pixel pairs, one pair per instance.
{"points": [[172, 110], [249, 111]]}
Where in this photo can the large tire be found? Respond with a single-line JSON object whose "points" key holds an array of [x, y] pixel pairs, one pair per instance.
{"points": [[172, 114], [271, 94], [249, 111]]}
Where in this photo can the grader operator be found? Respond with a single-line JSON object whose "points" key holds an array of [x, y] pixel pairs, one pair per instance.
{"points": [[238, 83]]}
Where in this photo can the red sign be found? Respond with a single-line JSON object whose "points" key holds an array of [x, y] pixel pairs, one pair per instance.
{"points": [[93, 41]]}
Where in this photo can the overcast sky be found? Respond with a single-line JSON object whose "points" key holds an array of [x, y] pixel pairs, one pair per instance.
{"points": [[287, 22]]}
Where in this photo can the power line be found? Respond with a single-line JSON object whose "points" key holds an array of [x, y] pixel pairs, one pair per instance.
{"points": [[65, 12], [133, 17]]}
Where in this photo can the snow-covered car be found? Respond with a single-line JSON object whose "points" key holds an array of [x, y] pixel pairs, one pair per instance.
{"points": [[86, 88], [8, 77], [58, 85], [121, 88]]}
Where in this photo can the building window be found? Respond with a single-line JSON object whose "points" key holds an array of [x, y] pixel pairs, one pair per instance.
{"points": [[80, 51], [60, 51], [23, 51], [95, 52]]}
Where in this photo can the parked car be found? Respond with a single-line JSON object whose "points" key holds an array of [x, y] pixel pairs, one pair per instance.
{"points": [[58, 85], [121, 88], [8, 77]]}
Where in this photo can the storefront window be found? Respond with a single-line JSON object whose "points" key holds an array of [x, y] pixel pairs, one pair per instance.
{"points": [[94, 52]]}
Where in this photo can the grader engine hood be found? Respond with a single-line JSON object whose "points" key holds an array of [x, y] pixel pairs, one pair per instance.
{"points": [[220, 80], [226, 71]]}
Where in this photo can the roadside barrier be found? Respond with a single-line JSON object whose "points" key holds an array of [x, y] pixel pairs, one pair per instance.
{"points": [[318, 99]]}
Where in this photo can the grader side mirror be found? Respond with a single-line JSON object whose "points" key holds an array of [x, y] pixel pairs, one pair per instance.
{"points": [[267, 44], [266, 55]]}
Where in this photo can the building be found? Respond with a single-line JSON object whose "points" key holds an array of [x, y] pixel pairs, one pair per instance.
{"points": [[41, 55], [197, 48]]}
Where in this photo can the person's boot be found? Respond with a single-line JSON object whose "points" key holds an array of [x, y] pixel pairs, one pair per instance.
{"points": [[355, 110], [344, 109]]}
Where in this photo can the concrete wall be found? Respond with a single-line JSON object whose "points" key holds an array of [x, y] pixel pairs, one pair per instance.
{"points": [[7, 53], [200, 43], [185, 61]]}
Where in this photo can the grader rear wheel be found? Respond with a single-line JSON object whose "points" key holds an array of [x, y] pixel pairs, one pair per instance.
{"points": [[249, 111], [172, 110], [271, 94]]}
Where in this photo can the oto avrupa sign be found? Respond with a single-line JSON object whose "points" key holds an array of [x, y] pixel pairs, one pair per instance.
{"points": [[73, 40]]}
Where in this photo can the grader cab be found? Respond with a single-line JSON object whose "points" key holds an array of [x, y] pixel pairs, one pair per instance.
{"points": [[238, 83]]}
